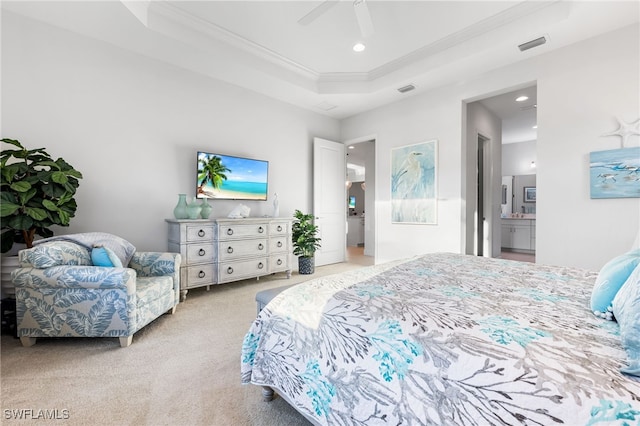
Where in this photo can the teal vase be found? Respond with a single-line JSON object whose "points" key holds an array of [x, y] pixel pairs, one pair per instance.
{"points": [[205, 209], [180, 211], [193, 209]]}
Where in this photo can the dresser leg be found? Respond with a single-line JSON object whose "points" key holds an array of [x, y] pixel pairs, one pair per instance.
{"points": [[288, 273], [183, 295]]}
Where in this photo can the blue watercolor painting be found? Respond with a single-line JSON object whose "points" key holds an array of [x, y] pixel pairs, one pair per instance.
{"points": [[615, 173], [414, 183]]}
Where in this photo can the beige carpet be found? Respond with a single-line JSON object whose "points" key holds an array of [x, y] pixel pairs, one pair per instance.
{"points": [[182, 369]]}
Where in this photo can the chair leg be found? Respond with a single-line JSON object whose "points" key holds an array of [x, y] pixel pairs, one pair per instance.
{"points": [[27, 341], [173, 310], [126, 341]]}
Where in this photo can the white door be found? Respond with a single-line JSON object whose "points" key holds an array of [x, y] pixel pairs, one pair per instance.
{"points": [[329, 200]]}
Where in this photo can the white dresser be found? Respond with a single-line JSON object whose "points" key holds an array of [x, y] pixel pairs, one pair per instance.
{"points": [[223, 250]]}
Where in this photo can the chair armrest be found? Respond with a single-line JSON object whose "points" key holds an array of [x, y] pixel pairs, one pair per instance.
{"points": [[153, 264], [76, 277]]}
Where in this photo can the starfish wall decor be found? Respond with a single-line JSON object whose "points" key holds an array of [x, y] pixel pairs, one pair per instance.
{"points": [[625, 130]]}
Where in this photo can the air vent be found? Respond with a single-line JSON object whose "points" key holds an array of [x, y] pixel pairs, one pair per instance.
{"points": [[407, 88], [533, 43]]}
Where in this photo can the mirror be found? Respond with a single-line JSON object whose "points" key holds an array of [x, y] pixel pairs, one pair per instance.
{"points": [[518, 194]]}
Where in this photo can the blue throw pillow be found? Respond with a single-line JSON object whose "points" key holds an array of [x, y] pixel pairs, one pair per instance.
{"points": [[610, 278], [626, 308], [103, 256]]}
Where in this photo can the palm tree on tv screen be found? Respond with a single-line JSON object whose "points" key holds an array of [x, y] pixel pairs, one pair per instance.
{"points": [[211, 170]]}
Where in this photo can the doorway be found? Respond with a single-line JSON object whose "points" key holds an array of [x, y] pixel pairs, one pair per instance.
{"points": [[484, 164], [360, 201], [497, 127]]}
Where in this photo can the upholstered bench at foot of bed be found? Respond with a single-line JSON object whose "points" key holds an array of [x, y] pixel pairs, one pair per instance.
{"points": [[263, 297]]}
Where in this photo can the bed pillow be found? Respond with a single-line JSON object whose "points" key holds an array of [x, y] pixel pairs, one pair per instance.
{"points": [[103, 256], [610, 279], [626, 308]]}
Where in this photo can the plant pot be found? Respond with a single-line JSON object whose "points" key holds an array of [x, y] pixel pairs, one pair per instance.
{"points": [[9, 264], [306, 265]]}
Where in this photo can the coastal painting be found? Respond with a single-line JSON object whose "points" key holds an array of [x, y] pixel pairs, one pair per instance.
{"points": [[231, 178], [414, 183], [615, 173]]}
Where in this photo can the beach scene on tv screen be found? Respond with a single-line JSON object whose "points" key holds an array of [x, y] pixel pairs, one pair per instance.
{"points": [[228, 177]]}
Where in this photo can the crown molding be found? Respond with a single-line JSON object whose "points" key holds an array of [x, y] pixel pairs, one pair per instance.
{"points": [[173, 21]]}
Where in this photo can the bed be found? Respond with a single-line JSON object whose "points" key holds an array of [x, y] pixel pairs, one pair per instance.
{"points": [[444, 339]]}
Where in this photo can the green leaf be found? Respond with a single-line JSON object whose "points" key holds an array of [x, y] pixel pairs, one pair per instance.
{"points": [[21, 186], [50, 205], [7, 209], [64, 217], [36, 213], [59, 177], [22, 222]]}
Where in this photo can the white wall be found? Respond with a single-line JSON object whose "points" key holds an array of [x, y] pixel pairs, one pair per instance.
{"points": [[517, 158], [581, 88], [132, 126]]}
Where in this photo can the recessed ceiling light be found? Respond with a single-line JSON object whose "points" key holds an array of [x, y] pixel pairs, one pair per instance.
{"points": [[521, 98], [535, 127], [358, 47], [352, 147]]}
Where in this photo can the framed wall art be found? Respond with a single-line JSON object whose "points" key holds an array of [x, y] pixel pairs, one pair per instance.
{"points": [[615, 173], [529, 195], [414, 183]]}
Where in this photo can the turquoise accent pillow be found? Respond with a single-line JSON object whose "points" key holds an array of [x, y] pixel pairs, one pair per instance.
{"points": [[610, 279], [103, 256], [626, 308]]}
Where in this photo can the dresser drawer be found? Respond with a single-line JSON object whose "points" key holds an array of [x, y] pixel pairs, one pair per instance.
{"points": [[200, 233], [231, 231], [278, 244], [198, 275], [229, 250], [232, 271], [279, 262], [200, 253], [279, 228]]}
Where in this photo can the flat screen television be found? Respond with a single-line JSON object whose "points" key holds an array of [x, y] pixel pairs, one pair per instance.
{"points": [[225, 177]]}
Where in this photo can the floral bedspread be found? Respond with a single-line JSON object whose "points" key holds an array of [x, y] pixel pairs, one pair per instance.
{"points": [[444, 339]]}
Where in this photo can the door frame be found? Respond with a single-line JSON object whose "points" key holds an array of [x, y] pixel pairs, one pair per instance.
{"points": [[371, 220]]}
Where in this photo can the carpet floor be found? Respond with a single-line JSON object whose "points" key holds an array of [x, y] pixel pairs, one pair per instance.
{"points": [[182, 369]]}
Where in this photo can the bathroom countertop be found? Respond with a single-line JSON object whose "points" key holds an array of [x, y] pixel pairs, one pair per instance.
{"points": [[522, 216]]}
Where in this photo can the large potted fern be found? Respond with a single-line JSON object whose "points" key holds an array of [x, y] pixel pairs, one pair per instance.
{"points": [[36, 191], [305, 242]]}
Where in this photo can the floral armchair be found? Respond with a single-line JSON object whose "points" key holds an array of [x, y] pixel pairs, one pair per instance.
{"points": [[60, 293]]}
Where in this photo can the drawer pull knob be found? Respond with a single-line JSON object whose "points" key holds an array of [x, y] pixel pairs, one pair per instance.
{"points": [[260, 265], [279, 243], [279, 262], [260, 229], [201, 274], [229, 270], [279, 228], [260, 246], [229, 231], [201, 252], [229, 249], [201, 233]]}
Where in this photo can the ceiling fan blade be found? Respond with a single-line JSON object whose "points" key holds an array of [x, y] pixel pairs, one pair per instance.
{"points": [[364, 17], [317, 11]]}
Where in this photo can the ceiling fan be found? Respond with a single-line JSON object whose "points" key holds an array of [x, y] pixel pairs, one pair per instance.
{"points": [[359, 7]]}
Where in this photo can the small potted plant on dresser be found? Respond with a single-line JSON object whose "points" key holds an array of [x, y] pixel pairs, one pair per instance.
{"points": [[305, 241]]}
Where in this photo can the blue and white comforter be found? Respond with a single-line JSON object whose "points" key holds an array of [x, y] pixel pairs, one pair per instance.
{"points": [[444, 339]]}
